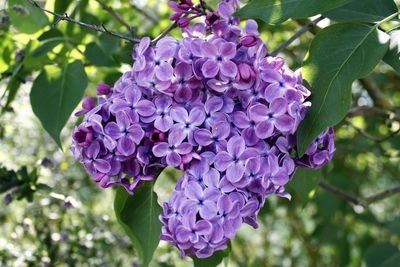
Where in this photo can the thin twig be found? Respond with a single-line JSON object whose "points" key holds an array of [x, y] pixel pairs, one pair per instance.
{"points": [[116, 16], [165, 32], [370, 136], [299, 33], [86, 25], [339, 192], [364, 202], [145, 14], [382, 195]]}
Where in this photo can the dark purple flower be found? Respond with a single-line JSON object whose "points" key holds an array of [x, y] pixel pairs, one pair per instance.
{"points": [[83, 136]]}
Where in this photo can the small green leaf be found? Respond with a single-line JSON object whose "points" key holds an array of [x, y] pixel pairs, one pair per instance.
{"points": [[275, 12], [26, 17], [138, 215], [61, 6], [55, 93], [214, 260], [50, 34], [17, 77], [47, 46], [392, 56], [98, 56], [304, 183], [363, 10], [338, 55]]}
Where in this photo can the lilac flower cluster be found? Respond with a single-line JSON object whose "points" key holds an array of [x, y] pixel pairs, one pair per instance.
{"points": [[216, 106]]}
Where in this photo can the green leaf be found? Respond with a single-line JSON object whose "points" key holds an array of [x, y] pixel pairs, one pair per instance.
{"points": [[16, 79], [338, 55], [304, 183], [55, 93], [50, 34], [378, 253], [138, 215], [25, 17], [393, 226], [363, 10], [278, 11], [214, 260], [98, 56], [392, 56], [394, 260], [47, 46], [60, 6]]}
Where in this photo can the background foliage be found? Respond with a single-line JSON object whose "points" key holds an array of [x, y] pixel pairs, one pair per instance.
{"points": [[63, 219]]}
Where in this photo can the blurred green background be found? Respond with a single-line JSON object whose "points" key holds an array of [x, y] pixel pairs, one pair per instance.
{"points": [[52, 214]]}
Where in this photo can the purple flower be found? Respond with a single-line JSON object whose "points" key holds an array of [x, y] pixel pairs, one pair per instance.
{"points": [[217, 136], [186, 122], [199, 200], [162, 119], [234, 159], [140, 54], [127, 134], [212, 104], [173, 149], [134, 104], [229, 215], [219, 54], [91, 159], [274, 173], [270, 118], [190, 230]]}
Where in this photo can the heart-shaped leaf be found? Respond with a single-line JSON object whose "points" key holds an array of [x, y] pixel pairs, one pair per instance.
{"points": [[138, 215], [55, 93]]}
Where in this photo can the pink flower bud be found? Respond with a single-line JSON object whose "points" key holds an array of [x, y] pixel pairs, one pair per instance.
{"points": [[249, 40], [245, 72], [88, 103], [103, 89], [183, 22]]}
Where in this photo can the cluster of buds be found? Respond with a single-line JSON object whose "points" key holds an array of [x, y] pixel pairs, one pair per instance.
{"points": [[214, 105]]}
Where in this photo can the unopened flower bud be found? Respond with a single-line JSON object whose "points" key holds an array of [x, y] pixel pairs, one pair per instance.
{"points": [[249, 40], [183, 22], [245, 72], [103, 89]]}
